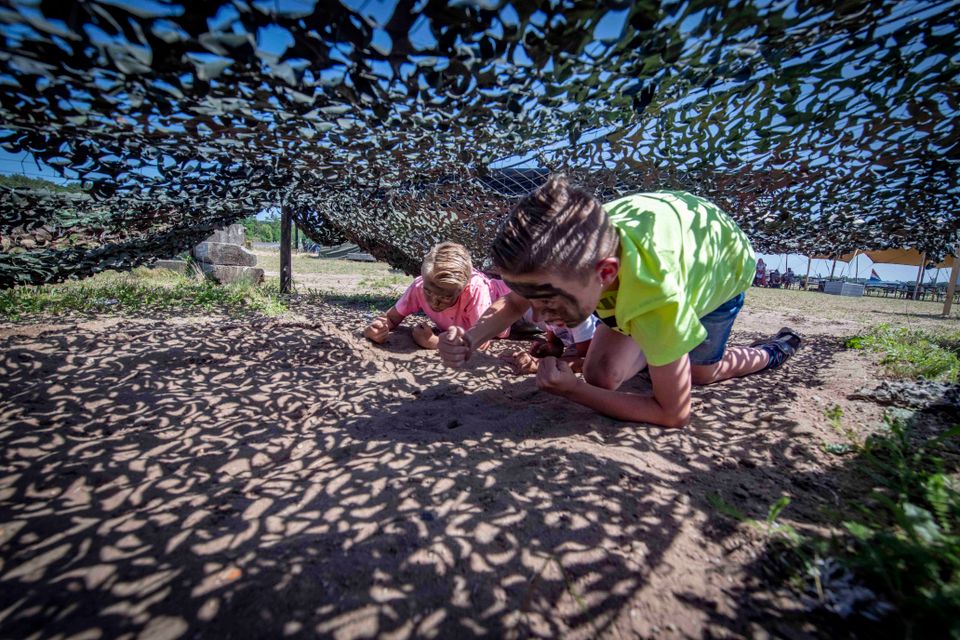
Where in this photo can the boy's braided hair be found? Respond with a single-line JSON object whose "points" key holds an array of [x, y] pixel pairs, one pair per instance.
{"points": [[557, 228], [447, 264]]}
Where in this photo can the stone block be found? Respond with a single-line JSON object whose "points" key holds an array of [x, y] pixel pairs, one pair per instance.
{"points": [[222, 253], [227, 274], [179, 266], [234, 234]]}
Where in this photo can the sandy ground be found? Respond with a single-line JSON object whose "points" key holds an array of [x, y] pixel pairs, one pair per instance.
{"points": [[285, 478]]}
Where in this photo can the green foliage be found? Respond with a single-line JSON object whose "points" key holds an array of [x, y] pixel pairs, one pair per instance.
{"points": [[262, 230], [142, 290], [913, 353], [902, 541], [907, 544]]}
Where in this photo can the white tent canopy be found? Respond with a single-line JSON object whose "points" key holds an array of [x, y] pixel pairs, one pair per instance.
{"points": [[910, 257]]}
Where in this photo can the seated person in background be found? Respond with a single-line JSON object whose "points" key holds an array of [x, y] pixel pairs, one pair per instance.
{"points": [[559, 339], [789, 278], [449, 291], [774, 279]]}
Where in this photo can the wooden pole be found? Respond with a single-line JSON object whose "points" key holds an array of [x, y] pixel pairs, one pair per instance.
{"points": [[855, 254], [916, 287], [806, 278], [286, 264], [952, 285], [833, 268], [296, 239]]}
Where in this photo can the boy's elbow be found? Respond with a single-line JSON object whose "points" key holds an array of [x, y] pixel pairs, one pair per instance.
{"points": [[677, 419], [678, 422]]}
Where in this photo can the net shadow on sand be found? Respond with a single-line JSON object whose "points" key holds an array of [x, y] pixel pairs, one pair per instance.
{"points": [[277, 478]]}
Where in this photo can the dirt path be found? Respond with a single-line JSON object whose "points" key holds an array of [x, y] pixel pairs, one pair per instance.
{"points": [[284, 478]]}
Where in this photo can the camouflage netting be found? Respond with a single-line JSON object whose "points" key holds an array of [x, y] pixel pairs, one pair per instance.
{"points": [[818, 126]]}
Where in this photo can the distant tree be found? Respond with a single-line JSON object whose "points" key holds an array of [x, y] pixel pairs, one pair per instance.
{"points": [[262, 230], [18, 181]]}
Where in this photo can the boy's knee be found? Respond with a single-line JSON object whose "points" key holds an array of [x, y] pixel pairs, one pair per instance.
{"points": [[704, 374], [603, 376]]}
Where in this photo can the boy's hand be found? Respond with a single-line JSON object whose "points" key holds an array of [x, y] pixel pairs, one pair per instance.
{"points": [[455, 347], [544, 349], [521, 362], [555, 376], [378, 330]]}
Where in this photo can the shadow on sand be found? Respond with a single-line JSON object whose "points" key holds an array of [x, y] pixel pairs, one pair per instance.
{"points": [[282, 479]]}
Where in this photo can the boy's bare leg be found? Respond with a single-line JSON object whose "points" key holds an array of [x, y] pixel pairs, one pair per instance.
{"points": [[736, 362], [612, 359]]}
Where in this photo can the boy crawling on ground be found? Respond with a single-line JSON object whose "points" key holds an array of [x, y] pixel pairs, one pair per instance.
{"points": [[665, 273], [449, 291]]}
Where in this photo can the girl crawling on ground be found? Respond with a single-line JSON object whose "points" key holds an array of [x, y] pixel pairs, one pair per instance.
{"points": [[449, 291]]}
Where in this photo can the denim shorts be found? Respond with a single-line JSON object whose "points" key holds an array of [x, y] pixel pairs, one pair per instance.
{"points": [[718, 324]]}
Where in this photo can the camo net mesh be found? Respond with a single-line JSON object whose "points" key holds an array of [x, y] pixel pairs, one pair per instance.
{"points": [[819, 126]]}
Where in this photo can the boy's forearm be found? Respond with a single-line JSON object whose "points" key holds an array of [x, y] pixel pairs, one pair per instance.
{"points": [[629, 406], [498, 316]]}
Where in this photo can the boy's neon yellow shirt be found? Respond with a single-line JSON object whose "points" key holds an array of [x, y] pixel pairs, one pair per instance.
{"points": [[681, 257]]}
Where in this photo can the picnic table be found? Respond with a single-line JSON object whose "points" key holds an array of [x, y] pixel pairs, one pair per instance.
{"points": [[886, 289], [934, 292]]}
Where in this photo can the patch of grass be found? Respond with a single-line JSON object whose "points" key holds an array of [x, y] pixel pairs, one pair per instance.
{"points": [[371, 301], [907, 542], [269, 260], [389, 281], [893, 565], [136, 292], [865, 311], [913, 353]]}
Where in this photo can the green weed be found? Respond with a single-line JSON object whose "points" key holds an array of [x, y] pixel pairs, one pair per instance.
{"points": [[769, 526], [907, 543], [835, 417], [912, 353], [901, 541]]}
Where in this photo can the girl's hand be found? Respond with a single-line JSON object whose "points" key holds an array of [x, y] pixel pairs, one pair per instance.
{"points": [[555, 376], [423, 335], [378, 330]]}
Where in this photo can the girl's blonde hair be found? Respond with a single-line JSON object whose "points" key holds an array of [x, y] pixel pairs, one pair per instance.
{"points": [[447, 264]]}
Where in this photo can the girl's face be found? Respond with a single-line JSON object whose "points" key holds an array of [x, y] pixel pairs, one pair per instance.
{"points": [[440, 296]]}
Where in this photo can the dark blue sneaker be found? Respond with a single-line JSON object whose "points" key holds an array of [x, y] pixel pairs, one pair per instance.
{"points": [[780, 347]]}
